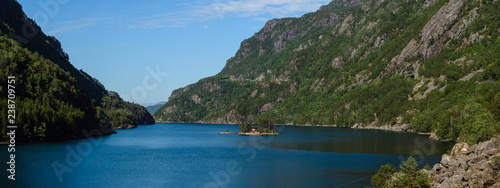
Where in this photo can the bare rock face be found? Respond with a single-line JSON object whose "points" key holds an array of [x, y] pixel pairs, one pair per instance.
{"points": [[126, 126], [210, 87], [344, 3], [346, 24], [436, 26], [477, 166], [379, 41], [266, 107], [398, 127], [337, 63], [177, 92], [267, 28], [285, 37], [428, 3], [254, 93], [196, 99], [305, 45], [470, 75], [293, 87], [170, 109], [327, 22], [459, 150], [231, 117]]}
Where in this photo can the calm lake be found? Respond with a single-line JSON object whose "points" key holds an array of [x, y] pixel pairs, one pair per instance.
{"points": [[194, 155]]}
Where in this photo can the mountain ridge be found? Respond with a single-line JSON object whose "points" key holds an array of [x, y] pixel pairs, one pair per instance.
{"points": [[153, 107], [362, 64], [53, 100]]}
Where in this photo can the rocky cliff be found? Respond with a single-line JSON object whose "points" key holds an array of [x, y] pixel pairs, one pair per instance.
{"points": [[423, 66], [476, 166]]}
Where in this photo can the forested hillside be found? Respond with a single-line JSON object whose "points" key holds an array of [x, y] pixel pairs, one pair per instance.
{"points": [[423, 66], [53, 100]]}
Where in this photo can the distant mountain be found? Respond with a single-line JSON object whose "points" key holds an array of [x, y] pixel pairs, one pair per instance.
{"points": [[426, 66], [53, 100], [154, 107]]}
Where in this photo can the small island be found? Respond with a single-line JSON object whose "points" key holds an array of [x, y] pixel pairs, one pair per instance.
{"points": [[265, 128]]}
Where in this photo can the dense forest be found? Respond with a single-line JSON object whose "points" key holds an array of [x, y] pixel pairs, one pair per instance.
{"points": [[53, 100], [432, 66]]}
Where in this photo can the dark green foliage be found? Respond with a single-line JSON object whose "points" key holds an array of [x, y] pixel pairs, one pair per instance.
{"points": [[16, 25], [367, 87], [54, 100], [49, 103], [383, 175], [123, 113], [409, 175], [477, 124], [465, 111], [267, 126], [244, 127]]}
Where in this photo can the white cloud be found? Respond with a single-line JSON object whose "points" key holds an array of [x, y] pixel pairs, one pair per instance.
{"points": [[199, 11], [76, 25], [261, 19], [250, 8]]}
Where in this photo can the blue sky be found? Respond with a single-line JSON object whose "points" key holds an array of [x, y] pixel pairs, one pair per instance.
{"points": [[117, 42]]}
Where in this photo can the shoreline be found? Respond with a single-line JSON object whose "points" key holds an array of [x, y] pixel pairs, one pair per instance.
{"points": [[64, 139], [397, 128], [104, 133], [251, 134]]}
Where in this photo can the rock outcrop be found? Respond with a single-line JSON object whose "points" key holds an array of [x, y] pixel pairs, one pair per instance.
{"points": [[477, 166], [346, 61], [398, 127]]}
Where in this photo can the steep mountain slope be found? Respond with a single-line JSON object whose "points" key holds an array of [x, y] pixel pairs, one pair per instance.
{"points": [[53, 100], [16, 25], [153, 108], [424, 66]]}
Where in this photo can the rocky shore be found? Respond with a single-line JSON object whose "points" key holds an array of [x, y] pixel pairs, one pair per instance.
{"points": [[128, 126], [393, 128], [252, 134], [476, 166], [399, 126]]}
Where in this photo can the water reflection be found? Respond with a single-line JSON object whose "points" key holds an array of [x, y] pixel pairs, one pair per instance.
{"points": [[346, 140]]}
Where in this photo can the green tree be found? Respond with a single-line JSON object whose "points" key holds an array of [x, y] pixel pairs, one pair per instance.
{"points": [[267, 124], [244, 127], [383, 174], [478, 124], [409, 175]]}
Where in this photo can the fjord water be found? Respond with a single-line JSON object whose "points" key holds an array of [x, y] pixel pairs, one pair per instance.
{"points": [[194, 155]]}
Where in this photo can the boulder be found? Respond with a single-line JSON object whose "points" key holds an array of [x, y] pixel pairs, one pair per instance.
{"points": [[445, 160], [474, 159], [459, 150], [477, 166], [496, 185], [495, 162], [266, 108]]}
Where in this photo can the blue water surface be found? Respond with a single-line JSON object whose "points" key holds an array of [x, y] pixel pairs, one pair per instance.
{"points": [[195, 155]]}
